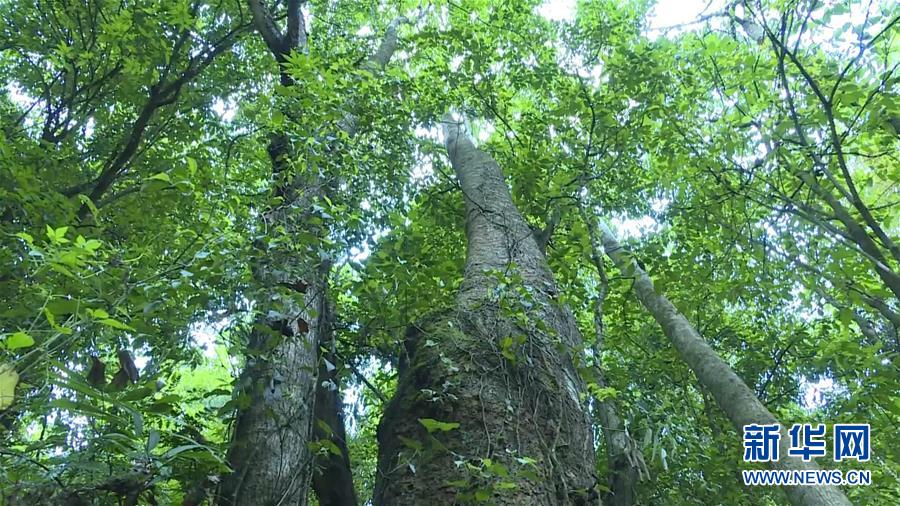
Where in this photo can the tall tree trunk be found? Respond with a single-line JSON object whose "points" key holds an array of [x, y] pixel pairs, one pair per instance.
{"points": [[624, 459], [490, 405], [270, 453], [733, 396]]}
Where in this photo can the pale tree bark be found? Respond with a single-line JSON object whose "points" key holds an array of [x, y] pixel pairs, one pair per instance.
{"points": [[733, 396], [499, 365], [624, 459], [270, 452]]}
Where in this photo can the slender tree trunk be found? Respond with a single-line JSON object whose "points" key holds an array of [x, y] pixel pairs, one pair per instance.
{"points": [[836, 140], [624, 459], [332, 479], [490, 406], [739, 403]]}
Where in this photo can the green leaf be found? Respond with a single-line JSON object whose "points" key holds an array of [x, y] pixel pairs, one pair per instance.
{"points": [[9, 378], [178, 450], [432, 425], [19, 340], [58, 235], [161, 176], [152, 440], [98, 313], [92, 244], [52, 321], [112, 322], [411, 443]]}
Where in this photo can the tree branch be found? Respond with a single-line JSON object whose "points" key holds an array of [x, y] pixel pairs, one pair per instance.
{"points": [[265, 25]]}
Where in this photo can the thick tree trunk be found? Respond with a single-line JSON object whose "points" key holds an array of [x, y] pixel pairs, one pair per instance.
{"points": [[498, 365], [733, 396], [270, 453]]}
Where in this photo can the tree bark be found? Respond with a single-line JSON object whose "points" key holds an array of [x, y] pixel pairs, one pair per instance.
{"points": [[499, 365], [270, 453], [733, 396], [624, 459]]}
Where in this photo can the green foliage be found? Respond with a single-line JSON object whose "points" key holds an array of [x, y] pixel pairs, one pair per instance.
{"points": [[432, 425], [134, 182]]}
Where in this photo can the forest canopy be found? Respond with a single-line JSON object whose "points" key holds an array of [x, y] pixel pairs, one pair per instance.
{"points": [[573, 252]]}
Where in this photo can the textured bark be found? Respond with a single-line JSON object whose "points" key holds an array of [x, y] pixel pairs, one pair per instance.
{"points": [[270, 453], [733, 396], [460, 371]]}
